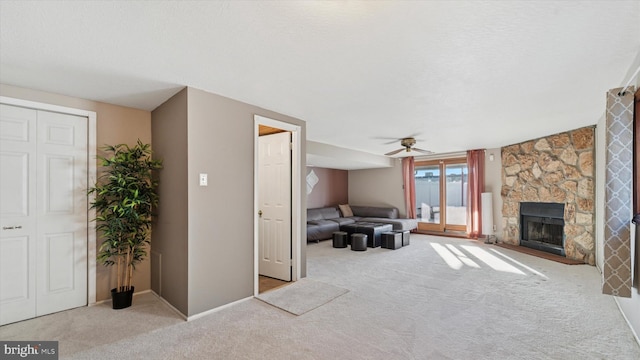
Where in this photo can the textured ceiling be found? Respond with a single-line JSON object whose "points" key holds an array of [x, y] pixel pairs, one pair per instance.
{"points": [[458, 74]]}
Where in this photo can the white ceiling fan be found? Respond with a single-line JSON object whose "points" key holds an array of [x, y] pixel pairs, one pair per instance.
{"points": [[408, 144]]}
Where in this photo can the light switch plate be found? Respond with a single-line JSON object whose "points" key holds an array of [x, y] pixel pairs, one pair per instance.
{"points": [[203, 180]]}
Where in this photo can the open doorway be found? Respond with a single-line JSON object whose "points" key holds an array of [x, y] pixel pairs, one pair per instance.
{"points": [[267, 283], [276, 203]]}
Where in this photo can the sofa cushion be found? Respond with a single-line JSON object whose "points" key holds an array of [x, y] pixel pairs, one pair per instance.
{"points": [[316, 232], [398, 224], [321, 222], [314, 214], [345, 210], [374, 211], [322, 213], [343, 221]]}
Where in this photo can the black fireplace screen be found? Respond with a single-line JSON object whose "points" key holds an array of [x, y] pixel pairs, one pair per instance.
{"points": [[542, 226], [541, 229]]}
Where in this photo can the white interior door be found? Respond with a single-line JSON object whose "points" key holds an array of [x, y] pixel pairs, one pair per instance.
{"points": [[43, 216], [275, 205], [17, 214]]}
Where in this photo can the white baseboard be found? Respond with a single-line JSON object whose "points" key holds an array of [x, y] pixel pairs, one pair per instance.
{"points": [[208, 312], [178, 312], [635, 335]]}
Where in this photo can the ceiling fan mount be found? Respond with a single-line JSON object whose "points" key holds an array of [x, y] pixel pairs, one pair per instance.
{"points": [[408, 144]]}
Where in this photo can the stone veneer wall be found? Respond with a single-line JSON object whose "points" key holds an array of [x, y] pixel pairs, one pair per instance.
{"points": [[557, 169]]}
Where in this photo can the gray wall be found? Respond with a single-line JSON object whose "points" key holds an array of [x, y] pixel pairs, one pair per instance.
{"points": [[169, 248], [221, 214], [217, 238], [378, 187]]}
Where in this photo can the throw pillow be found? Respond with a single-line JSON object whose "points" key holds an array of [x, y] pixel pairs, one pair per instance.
{"points": [[346, 210]]}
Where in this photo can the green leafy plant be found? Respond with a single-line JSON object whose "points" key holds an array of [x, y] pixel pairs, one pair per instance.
{"points": [[125, 197]]}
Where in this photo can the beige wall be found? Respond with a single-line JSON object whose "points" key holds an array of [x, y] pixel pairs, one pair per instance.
{"points": [[378, 187], [217, 238], [332, 188], [169, 256], [115, 125]]}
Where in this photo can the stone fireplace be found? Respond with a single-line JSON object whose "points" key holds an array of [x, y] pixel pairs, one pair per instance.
{"points": [[557, 169]]}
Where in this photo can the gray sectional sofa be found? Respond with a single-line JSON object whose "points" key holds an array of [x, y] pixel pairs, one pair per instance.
{"points": [[322, 222]]}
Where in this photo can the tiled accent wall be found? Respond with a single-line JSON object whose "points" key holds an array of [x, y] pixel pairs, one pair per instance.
{"points": [[616, 274], [557, 169]]}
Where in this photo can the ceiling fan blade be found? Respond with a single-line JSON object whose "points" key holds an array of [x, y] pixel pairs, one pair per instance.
{"points": [[422, 151], [412, 136], [389, 141], [394, 152], [394, 141]]}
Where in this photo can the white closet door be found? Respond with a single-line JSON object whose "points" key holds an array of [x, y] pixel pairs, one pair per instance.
{"points": [[43, 212], [62, 212], [17, 213]]}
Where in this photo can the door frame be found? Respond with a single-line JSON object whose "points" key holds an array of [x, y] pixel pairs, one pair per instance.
{"points": [[91, 178], [296, 214], [442, 226]]}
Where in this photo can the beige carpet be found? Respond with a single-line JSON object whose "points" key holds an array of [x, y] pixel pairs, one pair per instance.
{"points": [[302, 296], [439, 298]]}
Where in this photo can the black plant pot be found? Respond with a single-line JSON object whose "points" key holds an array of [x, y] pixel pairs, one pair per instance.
{"points": [[122, 299]]}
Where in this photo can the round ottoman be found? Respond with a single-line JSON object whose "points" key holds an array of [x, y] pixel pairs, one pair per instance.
{"points": [[340, 239], [358, 242]]}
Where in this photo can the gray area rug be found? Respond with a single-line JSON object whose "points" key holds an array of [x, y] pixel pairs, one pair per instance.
{"points": [[302, 296]]}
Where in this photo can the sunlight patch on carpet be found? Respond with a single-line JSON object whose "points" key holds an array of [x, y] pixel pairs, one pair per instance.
{"points": [[302, 296]]}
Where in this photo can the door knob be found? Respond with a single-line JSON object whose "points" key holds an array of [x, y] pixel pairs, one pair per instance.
{"points": [[260, 213]]}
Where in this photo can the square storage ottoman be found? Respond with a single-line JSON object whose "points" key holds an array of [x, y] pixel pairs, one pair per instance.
{"points": [[405, 236], [391, 240]]}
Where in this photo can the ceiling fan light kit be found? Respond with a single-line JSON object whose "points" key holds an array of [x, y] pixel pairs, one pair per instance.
{"points": [[408, 142]]}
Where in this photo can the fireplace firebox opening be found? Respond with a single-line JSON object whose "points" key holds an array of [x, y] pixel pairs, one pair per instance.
{"points": [[542, 227]]}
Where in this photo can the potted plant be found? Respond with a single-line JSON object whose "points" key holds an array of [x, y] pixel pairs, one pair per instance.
{"points": [[125, 197]]}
